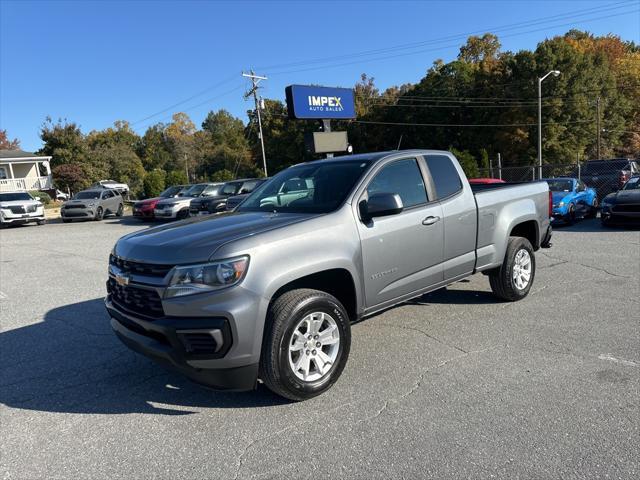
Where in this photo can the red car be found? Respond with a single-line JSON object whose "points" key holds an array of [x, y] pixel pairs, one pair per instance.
{"points": [[144, 208], [485, 181]]}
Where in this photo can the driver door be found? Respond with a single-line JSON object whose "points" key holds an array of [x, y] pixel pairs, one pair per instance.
{"points": [[401, 253]]}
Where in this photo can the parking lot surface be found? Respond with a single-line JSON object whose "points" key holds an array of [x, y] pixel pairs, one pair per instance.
{"points": [[454, 384]]}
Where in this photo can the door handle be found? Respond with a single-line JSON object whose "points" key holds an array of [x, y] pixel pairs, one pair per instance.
{"points": [[430, 220]]}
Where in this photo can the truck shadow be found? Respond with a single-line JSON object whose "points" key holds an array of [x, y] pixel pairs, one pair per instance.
{"points": [[451, 297], [73, 363]]}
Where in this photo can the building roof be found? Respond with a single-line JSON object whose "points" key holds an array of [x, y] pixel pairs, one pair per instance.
{"points": [[19, 155]]}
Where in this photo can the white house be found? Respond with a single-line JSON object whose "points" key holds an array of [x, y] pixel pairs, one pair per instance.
{"points": [[24, 171]]}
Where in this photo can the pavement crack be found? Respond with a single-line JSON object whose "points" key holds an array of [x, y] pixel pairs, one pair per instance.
{"points": [[241, 458], [436, 339], [585, 265], [418, 383]]}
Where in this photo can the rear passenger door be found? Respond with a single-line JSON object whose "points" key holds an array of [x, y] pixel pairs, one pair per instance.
{"points": [[401, 253], [459, 213]]}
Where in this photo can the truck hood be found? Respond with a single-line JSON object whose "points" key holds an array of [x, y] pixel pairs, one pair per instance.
{"points": [[196, 239]]}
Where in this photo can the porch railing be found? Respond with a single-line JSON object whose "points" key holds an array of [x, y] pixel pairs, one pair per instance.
{"points": [[29, 183]]}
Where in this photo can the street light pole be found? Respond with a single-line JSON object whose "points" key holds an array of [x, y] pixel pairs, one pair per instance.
{"points": [[540, 80]]}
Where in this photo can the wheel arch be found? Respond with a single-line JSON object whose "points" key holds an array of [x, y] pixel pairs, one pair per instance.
{"points": [[338, 282]]}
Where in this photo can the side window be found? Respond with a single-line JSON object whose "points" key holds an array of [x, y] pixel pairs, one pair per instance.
{"points": [[402, 177], [444, 174], [3, 173], [106, 194]]}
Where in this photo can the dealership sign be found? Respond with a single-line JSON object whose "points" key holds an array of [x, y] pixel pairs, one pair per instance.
{"points": [[308, 102]]}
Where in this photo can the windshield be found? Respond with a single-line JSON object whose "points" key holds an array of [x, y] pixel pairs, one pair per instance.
{"points": [[93, 195], [12, 197], [560, 185], [318, 187], [194, 190], [632, 184], [609, 166], [171, 191]]}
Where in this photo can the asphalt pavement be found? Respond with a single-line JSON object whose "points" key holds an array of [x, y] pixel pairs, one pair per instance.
{"points": [[453, 384]]}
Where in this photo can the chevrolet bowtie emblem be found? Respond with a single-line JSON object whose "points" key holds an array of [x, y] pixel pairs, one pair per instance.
{"points": [[122, 280]]}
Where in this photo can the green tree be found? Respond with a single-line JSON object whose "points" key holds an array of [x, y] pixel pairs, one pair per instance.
{"points": [[122, 164], [223, 175], [176, 177], [154, 183], [154, 150], [63, 141]]}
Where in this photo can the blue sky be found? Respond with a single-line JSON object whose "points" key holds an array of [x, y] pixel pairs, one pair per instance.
{"points": [[95, 62]]}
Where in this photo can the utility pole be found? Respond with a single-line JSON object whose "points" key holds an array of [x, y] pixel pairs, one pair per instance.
{"points": [[255, 80], [555, 73], [598, 124], [499, 166]]}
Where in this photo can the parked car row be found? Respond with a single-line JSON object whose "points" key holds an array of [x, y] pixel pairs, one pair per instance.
{"points": [[182, 201]]}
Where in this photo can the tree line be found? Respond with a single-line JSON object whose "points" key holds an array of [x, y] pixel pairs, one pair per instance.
{"points": [[480, 104]]}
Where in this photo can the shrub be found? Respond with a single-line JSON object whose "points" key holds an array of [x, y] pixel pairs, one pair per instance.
{"points": [[42, 196], [223, 175], [176, 177], [154, 183]]}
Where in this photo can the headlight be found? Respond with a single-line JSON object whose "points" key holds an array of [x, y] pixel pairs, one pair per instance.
{"points": [[561, 204], [207, 277]]}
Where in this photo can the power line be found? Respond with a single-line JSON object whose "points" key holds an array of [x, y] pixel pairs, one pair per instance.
{"points": [[507, 27], [142, 127], [398, 55], [371, 122], [208, 89]]}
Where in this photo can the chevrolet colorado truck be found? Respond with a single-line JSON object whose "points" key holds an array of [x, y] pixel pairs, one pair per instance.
{"points": [[268, 292]]}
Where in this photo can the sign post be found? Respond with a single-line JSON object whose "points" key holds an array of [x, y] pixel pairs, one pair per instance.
{"points": [[306, 102]]}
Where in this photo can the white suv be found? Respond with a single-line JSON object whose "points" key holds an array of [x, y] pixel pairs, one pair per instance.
{"points": [[20, 207]]}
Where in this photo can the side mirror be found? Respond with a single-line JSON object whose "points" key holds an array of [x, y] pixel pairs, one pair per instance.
{"points": [[380, 205]]}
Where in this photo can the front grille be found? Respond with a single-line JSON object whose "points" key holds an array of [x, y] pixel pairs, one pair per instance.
{"points": [[137, 300], [198, 343], [626, 208], [136, 268], [69, 207], [23, 209]]}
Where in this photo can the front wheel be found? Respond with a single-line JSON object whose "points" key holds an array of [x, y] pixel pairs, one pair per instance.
{"points": [[570, 217], [182, 214], [513, 280], [120, 210], [99, 214], [42, 222], [306, 344], [593, 209]]}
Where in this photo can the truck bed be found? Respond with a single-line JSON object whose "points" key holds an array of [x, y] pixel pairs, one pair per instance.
{"points": [[498, 203]]}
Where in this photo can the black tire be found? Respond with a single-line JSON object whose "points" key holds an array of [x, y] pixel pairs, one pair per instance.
{"points": [[99, 214], [41, 222], [283, 317], [182, 214], [570, 217], [501, 280], [120, 210], [593, 209], [66, 220]]}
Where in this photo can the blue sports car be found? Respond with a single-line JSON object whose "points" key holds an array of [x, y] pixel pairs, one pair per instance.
{"points": [[572, 199]]}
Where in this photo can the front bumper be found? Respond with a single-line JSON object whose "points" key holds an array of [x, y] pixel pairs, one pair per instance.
{"points": [[174, 343], [16, 218], [77, 212], [166, 212], [143, 212], [610, 216]]}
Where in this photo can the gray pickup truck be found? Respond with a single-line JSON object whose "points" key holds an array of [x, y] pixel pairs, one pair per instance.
{"points": [[269, 290]]}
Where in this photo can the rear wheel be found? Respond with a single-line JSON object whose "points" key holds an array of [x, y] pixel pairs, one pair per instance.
{"points": [[513, 280], [306, 344]]}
